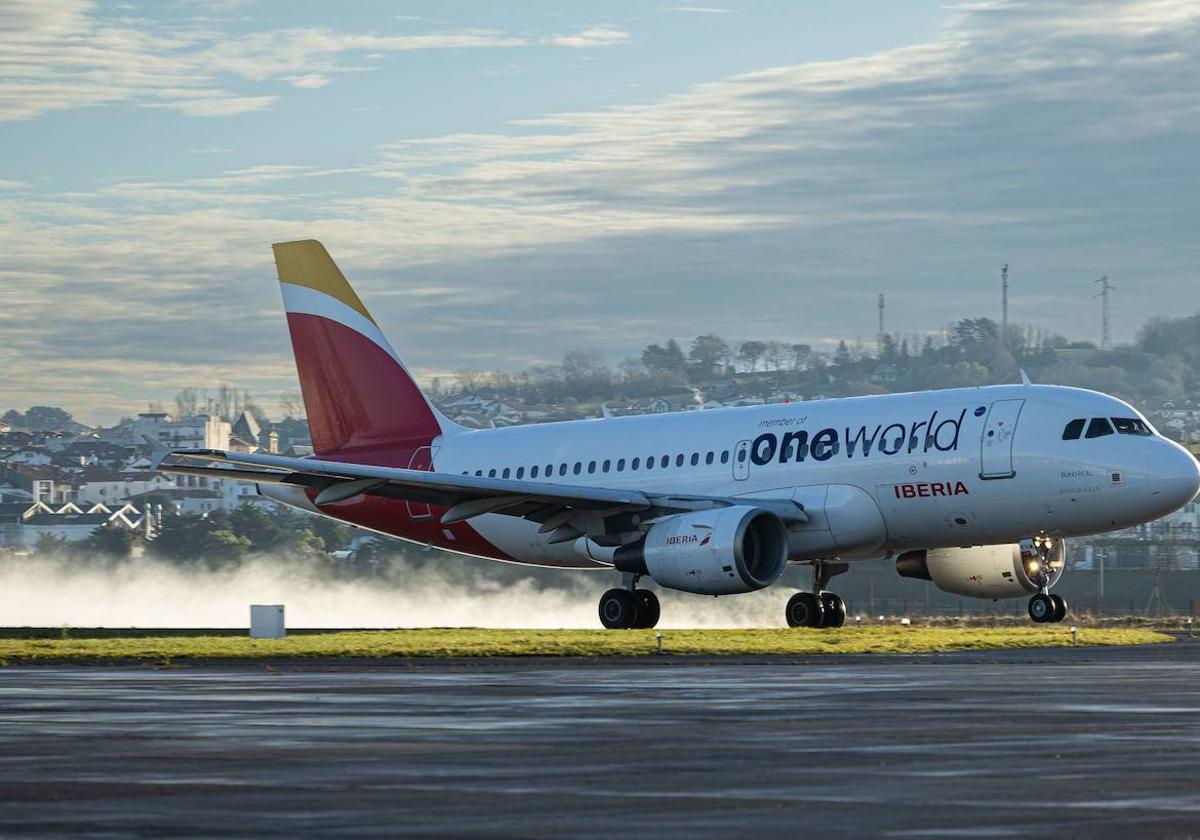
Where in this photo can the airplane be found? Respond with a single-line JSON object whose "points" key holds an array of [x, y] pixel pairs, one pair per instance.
{"points": [[973, 489]]}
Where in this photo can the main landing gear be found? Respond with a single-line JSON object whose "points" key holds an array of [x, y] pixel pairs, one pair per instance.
{"points": [[629, 609], [1045, 607], [818, 608]]}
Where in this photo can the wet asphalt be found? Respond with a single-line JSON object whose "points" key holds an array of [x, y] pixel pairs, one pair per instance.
{"points": [[1091, 743]]}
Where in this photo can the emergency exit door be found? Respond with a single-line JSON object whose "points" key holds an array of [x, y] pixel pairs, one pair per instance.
{"points": [[422, 459], [741, 460], [996, 447]]}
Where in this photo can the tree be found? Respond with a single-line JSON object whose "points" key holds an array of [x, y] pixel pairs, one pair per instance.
{"points": [[668, 359], [108, 541], [187, 403], [468, 380], [291, 403], [776, 355], [45, 418], [709, 354], [13, 418], [841, 356], [801, 356], [750, 352], [189, 538]]}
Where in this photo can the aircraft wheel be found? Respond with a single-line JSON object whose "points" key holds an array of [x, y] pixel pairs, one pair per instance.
{"points": [[834, 610], [618, 609], [1041, 608], [804, 610], [1060, 607], [648, 609]]}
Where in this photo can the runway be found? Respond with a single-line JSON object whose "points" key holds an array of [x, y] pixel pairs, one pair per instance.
{"points": [[1065, 743]]}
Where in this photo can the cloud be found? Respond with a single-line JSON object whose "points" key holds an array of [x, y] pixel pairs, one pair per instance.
{"points": [[697, 10], [61, 54], [1057, 136]]}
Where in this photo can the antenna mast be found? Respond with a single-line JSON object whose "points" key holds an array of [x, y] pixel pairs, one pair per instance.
{"points": [[1105, 313], [1004, 305], [879, 333]]}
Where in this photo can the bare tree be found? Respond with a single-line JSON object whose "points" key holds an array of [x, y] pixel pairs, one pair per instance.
{"points": [[291, 403]]}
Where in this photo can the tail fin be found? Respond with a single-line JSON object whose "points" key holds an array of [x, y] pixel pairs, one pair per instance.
{"points": [[357, 393]]}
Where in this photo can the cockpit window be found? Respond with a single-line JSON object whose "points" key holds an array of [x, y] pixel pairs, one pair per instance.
{"points": [[1132, 426], [1099, 427], [1074, 429]]}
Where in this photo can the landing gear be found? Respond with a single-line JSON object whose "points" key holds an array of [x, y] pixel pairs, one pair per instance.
{"points": [[618, 609], [834, 609], [648, 609], [1043, 559], [806, 609], [629, 609], [1044, 608]]}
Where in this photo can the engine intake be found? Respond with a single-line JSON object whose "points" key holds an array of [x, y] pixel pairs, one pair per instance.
{"points": [[723, 551]]}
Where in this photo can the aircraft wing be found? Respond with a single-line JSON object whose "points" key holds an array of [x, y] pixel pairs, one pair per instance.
{"points": [[566, 511]]}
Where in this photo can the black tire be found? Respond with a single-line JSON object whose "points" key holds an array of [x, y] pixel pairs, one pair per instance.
{"points": [[804, 610], [1041, 608], [834, 609], [1060, 607], [618, 609], [648, 609]]}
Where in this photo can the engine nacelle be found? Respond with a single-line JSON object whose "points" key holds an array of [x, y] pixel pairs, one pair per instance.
{"points": [[987, 571], [723, 551]]}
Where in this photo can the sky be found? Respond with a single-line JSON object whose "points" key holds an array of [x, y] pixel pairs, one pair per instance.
{"points": [[504, 182]]}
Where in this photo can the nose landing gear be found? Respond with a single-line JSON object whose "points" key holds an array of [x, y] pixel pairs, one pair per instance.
{"points": [[818, 608], [1044, 608], [1041, 568]]}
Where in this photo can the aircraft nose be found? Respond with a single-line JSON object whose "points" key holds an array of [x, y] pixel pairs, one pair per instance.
{"points": [[1174, 475]]}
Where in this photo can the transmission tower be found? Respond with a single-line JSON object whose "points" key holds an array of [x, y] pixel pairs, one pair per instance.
{"points": [[1105, 314], [879, 333], [1004, 304]]}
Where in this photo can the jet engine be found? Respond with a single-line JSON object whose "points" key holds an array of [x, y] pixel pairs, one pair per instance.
{"points": [[723, 551], [988, 571]]}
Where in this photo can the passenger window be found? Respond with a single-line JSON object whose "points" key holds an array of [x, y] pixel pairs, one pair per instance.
{"points": [[695, 458], [491, 473], [1099, 427], [724, 456], [708, 459], [1074, 429], [679, 460], [741, 455], [650, 463], [665, 462], [505, 473], [606, 465], [621, 465], [1131, 426], [479, 472], [591, 467], [533, 471], [637, 462], [520, 472], [562, 469], [578, 467]]}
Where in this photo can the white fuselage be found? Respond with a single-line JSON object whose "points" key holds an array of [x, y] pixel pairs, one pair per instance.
{"points": [[881, 474]]}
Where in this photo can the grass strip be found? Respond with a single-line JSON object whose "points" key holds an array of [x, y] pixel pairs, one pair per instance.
{"points": [[471, 642]]}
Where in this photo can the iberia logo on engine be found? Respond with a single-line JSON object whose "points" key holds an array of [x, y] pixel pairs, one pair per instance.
{"points": [[925, 489], [689, 539]]}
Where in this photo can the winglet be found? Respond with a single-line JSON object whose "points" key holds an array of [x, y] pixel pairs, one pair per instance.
{"points": [[1025, 378]]}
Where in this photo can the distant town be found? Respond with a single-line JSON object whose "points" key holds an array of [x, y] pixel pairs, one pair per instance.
{"points": [[63, 484]]}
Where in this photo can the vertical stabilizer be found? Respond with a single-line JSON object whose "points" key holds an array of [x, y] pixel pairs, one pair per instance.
{"points": [[357, 393]]}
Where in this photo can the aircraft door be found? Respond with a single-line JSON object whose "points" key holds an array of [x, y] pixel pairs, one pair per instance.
{"points": [[995, 453], [422, 459], [741, 460]]}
